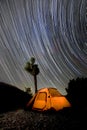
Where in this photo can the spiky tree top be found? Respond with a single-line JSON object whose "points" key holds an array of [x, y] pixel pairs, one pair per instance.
{"points": [[31, 67]]}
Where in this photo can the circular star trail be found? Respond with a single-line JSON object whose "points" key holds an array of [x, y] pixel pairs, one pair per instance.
{"points": [[53, 31]]}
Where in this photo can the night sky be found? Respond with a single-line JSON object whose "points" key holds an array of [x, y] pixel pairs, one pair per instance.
{"points": [[53, 31]]}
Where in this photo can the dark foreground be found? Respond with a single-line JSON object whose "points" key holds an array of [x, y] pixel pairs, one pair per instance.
{"points": [[66, 119]]}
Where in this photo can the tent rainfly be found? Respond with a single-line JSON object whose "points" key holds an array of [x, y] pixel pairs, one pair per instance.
{"points": [[48, 98]]}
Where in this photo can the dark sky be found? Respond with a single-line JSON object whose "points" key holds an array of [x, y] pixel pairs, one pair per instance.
{"points": [[53, 31]]}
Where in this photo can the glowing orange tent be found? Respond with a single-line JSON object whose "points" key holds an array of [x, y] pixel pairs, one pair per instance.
{"points": [[48, 98]]}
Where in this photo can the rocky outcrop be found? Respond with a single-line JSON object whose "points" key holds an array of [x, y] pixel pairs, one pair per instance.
{"points": [[12, 98]]}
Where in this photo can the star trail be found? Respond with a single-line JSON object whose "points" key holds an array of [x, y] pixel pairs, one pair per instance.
{"points": [[53, 31]]}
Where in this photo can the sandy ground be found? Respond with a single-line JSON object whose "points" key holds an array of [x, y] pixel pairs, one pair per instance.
{"points": [[33, 120]]}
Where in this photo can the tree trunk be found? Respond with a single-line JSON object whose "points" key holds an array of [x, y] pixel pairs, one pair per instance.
{"points": [[35, 83]]}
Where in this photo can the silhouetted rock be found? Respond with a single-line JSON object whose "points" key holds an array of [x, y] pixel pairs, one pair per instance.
{"points": [[77, 92], [12, 98]]}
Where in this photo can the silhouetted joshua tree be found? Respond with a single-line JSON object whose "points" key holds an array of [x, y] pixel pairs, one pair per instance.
{"points": [[28, 90], [33, 69], [77, 92]]}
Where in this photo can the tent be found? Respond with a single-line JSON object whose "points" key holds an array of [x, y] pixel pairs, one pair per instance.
{"points": [[48, 98]]}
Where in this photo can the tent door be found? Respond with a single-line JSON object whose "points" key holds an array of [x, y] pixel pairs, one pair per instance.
{"points": [[40, 101]]}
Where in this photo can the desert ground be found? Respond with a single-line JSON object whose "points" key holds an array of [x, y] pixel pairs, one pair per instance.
{"points": [[66, 119]]}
